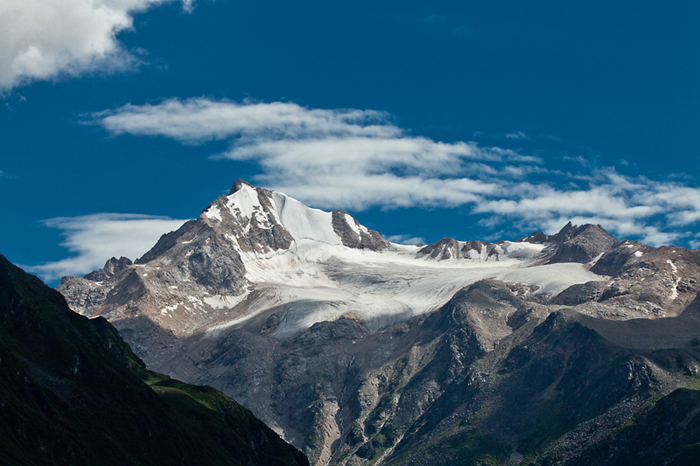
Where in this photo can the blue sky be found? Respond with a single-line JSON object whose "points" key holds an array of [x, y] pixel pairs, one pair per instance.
{"points": [[475, 120]]}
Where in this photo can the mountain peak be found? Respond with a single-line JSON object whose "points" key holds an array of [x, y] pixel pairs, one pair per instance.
{"points": [[583, 243], [238, 184], [571, 231], [112, 267], [574, 243]]}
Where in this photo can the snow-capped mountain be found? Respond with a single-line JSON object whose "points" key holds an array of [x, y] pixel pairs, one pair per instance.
{"points": [[320, 326], [257, 250]]}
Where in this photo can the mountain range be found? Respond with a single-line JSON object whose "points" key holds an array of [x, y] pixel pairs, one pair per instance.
{"points": [[573, 348]]}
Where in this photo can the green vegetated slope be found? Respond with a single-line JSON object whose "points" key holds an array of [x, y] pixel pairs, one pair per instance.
{"points": [[72, 392]]}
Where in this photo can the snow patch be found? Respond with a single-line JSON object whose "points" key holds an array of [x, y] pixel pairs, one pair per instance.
{"points": [[213, 213], [638, 254], [551, 279], [351, 223], [195, 300], [172, 307], [596, 258], [305, 223], [676, 281], [224, 301], [245, 201]]}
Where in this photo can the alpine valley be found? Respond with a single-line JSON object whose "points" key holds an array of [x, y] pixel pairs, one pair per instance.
{"points": [[570, 349]]}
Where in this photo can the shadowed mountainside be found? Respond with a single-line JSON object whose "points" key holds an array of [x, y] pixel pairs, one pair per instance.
{"points": [[72, 392]]}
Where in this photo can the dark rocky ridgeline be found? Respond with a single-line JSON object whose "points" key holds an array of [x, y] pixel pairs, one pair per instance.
{"points": [[354, 235], [575, 243], [666, 432], [72, 392], [450, 248]]}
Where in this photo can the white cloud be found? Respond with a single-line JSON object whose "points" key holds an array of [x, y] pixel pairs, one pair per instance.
{"points": [[44, 39], [96, 238], [695, 243], [198, 120], [406, 239], [351, 158], [357, 159]]}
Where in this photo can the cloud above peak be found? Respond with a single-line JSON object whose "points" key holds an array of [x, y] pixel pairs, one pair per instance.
{"points": [[94, 239], [47, 39], [327, 157], [199, 120], [358, 159]]}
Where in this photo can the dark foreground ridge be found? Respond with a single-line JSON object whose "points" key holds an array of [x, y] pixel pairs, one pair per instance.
{"points": [[72, 392]]}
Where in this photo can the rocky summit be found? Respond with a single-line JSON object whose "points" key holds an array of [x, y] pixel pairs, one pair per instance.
{"points": [[554, 349]]}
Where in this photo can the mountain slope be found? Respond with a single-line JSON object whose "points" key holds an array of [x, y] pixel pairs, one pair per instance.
{"points": [[72, 392], [556, 397], [360, 351]]}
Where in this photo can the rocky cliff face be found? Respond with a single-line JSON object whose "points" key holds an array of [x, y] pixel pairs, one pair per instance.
{"points": [[360, 351], [584, 244]]}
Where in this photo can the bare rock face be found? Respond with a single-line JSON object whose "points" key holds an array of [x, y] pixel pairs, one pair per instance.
{"points": [[86, 296], [194, 261], [643, 282], [446, 248], [579, 294], [354, 235], [111, 268], [450, 248], [573, 243], [360, 351], [582, 244]]}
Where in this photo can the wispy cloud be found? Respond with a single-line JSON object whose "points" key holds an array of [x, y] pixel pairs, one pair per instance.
{"points": [[45, 39], [359, 159], [517, 135], [93, 239], [330, 158], [7, 176]]}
